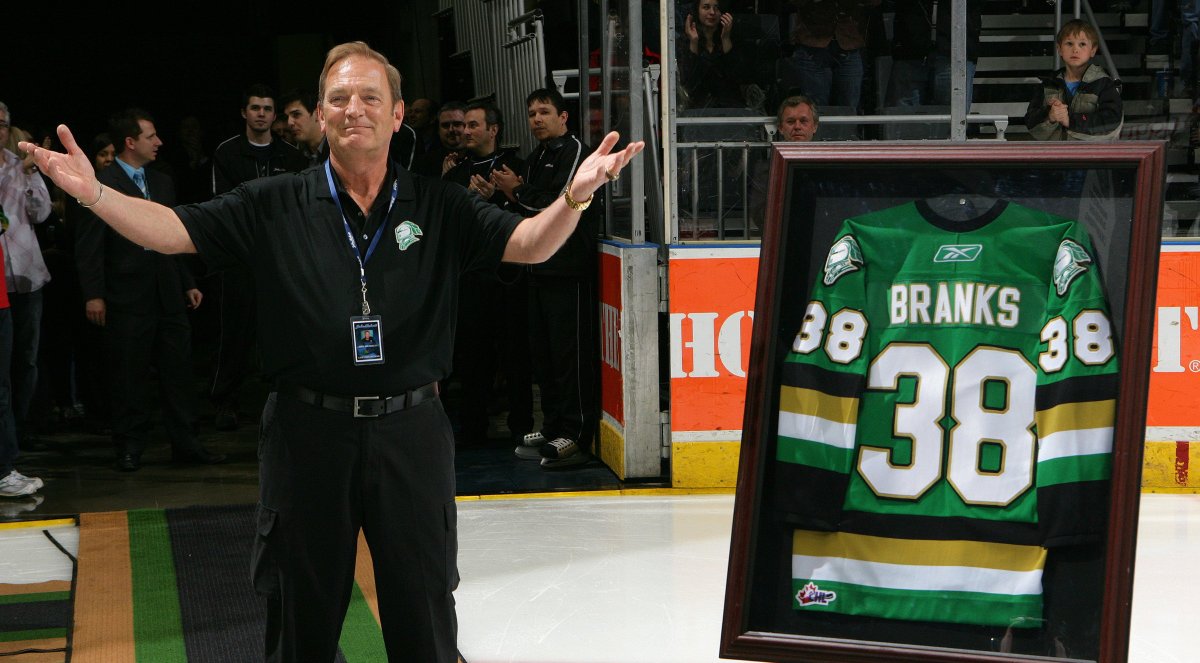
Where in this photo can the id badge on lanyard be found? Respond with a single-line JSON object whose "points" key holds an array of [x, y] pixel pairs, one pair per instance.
{"points": [[366, 330]]}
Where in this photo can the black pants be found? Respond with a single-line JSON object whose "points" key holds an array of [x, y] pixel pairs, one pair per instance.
{"points": [[325, 475], [475, 345], [237, 333], [514, 352], [562, 324], [136, 345]]}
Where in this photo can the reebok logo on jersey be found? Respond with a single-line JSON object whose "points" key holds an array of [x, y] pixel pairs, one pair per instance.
{"points": [[1070, 262], [958, 252], [810, 594], [844, 257]]}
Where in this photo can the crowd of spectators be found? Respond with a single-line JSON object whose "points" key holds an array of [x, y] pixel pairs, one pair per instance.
{"points": [[849, 57], [99, 334], [791, 59]]}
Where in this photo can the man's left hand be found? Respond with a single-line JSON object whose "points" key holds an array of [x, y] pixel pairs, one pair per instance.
{"points": [[193, 298], [602, 166]]}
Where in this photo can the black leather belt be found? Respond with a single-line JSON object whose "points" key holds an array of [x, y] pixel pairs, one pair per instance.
{"points": [[362, 406]]}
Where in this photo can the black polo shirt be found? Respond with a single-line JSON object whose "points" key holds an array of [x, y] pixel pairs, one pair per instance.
{"points": [[289, 232]]}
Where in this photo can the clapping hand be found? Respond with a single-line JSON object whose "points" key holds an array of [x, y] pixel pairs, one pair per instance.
{"points": [[506, 180], [1058, 112], [482, 186]]}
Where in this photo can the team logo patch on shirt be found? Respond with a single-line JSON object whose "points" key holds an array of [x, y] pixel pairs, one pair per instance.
{"points": [[1070, 262], [407, 234], [810, 594], [958, 252], [844, 257]]}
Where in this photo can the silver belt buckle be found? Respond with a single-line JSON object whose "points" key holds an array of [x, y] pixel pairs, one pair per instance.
{"points": [[359, 400]]}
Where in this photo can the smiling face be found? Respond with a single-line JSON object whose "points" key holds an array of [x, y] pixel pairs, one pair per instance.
{"points": [[709, 13], [104, 157], [357, 111]]}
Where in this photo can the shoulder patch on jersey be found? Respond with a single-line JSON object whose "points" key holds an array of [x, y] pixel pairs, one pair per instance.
{"points": [[1070, 262], [844, 257]]}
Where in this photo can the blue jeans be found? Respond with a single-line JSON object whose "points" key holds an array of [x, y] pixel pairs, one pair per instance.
{"points": [[1189, 12], [924, 82], [830, 75], [1159, 23], [8, 428], [26, 332]]}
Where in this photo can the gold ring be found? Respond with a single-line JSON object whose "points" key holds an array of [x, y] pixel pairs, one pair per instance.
{"points": [[611, 175]]}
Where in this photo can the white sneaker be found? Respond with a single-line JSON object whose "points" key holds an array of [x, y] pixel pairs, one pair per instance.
{"points": [[20, 506], [14, 485], [37, 483]]}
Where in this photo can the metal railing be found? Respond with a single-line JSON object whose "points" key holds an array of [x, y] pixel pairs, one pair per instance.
{"points": [[508, 61]]}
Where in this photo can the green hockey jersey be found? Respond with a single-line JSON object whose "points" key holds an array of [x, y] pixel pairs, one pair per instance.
{"points": [[946, 415]]}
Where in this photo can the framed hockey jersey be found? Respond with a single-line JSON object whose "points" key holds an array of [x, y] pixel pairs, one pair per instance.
{"points": [[946, 403]]}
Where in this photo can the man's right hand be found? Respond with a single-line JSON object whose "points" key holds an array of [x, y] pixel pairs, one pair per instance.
{"points": [[506, 180], [94, 309], [72, 172], [450, 161]]}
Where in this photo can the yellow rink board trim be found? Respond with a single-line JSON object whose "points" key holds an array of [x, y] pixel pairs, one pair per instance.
{"points": [[1168, 466], [612, 448], [624, 492], [705, 464], [39, 524], [1171, 467]]}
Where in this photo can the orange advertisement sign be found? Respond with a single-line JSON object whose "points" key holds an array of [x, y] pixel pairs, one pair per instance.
{"points": [[611, 380], [711, 318], [1175, 362]]}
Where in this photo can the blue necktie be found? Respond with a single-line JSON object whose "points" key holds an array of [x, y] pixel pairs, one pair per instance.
{"points": [[140, 180]]}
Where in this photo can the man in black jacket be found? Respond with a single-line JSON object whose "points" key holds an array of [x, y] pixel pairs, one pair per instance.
{"points": [[492, 330], [562, 292], [249, 155], [140, 298]]}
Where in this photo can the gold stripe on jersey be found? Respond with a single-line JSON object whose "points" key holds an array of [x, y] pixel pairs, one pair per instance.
{"points": [[919, 553], [811, 402], [1076, 416]]}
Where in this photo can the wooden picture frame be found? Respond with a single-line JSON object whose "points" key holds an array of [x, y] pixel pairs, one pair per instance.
{"points": [[1115, 191]]}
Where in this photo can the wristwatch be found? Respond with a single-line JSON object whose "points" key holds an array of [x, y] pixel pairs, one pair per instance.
{"points": [[576, 205]]}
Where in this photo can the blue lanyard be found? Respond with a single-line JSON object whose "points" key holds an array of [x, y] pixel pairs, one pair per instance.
{"points": [[362, 260]]}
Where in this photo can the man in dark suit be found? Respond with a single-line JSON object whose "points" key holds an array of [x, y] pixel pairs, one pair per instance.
{"points": [[140, 298], [251, 154]]}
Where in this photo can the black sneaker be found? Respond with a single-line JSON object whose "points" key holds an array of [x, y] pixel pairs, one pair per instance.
{"points": [[560, 453], [225, 418]]}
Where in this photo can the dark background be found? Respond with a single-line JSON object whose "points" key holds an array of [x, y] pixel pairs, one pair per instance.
{"points": [[77, 69]]}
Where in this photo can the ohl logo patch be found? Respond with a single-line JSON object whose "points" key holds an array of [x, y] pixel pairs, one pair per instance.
{"points": [[407, 234], [810, 594], [958, 253]]}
